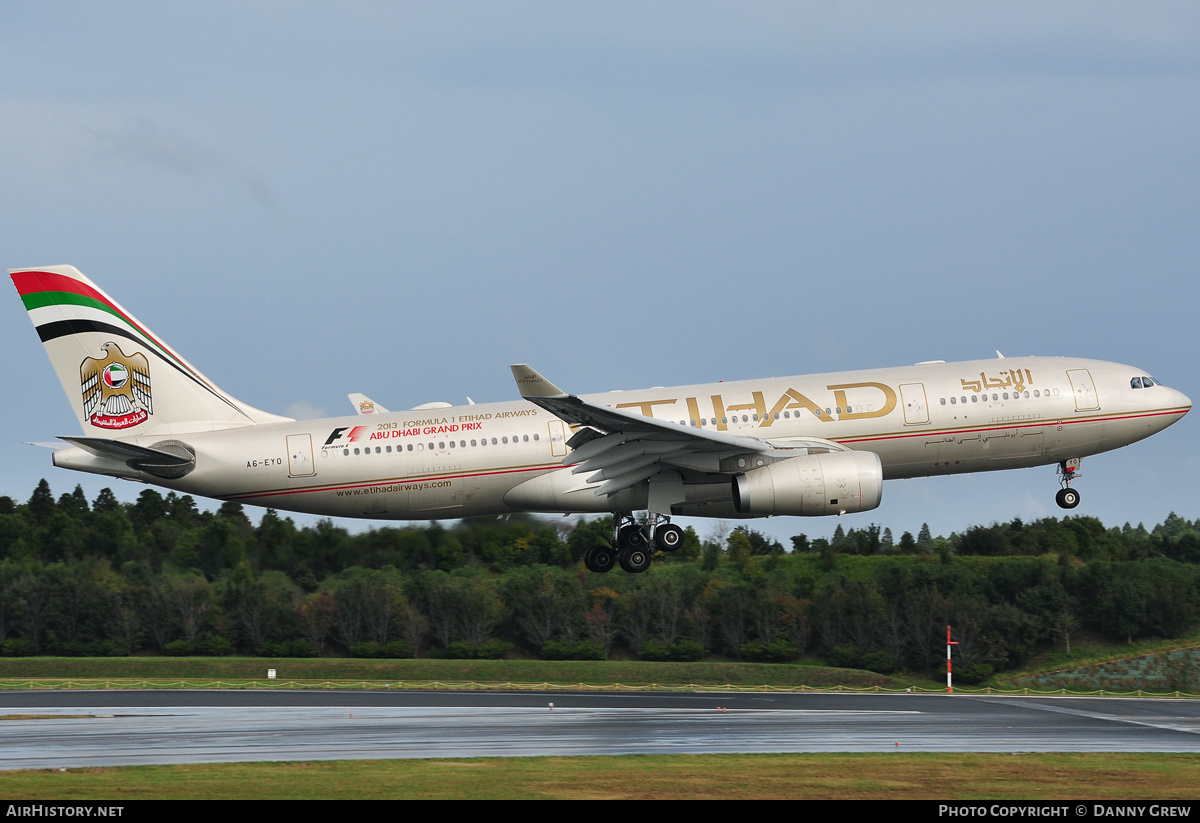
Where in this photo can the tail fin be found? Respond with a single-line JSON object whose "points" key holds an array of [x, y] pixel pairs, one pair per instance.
{"points": [[121, 378]]}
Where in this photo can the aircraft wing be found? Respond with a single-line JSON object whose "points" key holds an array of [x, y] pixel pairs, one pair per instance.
{"points": [[620, 448]]}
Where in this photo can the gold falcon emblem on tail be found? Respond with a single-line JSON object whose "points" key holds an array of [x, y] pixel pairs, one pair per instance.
{"points": [[116, 388]]}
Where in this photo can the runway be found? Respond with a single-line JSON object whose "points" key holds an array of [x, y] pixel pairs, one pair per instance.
{"points": [[108, 728]]}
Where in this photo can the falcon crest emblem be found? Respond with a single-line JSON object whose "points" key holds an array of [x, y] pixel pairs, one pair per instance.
{"points": [[116, 388]]}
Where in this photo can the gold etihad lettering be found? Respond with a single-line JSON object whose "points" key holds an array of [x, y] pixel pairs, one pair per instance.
{"points": [[718, 404], [793, 399], [878, 398], [839, 393], [757, 406]]}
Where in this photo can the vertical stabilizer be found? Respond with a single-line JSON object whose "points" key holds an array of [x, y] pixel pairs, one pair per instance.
{"points": [[119, 376]]}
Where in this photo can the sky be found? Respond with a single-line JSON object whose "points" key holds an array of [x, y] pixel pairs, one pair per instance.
{"points": [[309, 199]]}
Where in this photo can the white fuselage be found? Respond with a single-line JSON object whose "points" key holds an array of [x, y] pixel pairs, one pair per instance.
{"points": [[462, 461]]}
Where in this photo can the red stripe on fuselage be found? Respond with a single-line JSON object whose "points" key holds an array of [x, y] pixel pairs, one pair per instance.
{"points": [[393, 482], [551, 466], [1000, 427]]}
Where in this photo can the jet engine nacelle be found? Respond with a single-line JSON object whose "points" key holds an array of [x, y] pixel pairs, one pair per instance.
{"points": [[812, 485]]}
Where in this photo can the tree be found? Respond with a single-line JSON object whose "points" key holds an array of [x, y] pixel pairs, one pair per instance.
{"points": [[598, 622], [733, 606], [191, 598], [545, 602], [41, 503], [924, 537]]}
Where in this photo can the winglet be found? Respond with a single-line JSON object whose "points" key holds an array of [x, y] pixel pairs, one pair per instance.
{"points": [[364, 405], [531, 384]]}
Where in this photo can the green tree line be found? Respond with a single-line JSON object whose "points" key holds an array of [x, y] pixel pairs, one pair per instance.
{"points": [[102, 577]]}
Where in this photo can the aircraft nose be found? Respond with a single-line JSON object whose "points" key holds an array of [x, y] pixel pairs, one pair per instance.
{"points": [[1181, 399]]}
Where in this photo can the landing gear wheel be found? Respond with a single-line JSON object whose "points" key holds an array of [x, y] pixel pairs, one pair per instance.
{"points": [[634, 560], [631, 536], [599, 559], [668, 537], [1067, 498]]}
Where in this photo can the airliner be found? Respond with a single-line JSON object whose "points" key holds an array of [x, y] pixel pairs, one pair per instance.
{"points": [[808, 445]]}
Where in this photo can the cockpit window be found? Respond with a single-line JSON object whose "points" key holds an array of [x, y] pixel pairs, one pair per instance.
{"points": [[1148, 381], [1136, 383]]}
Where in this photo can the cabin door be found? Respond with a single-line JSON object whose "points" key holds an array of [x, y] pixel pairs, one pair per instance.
{"points": [[916, 407], [1084, 390], [300, 456]]}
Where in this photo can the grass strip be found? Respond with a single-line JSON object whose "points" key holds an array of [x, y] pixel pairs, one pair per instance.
{"points": [[892, 776]]}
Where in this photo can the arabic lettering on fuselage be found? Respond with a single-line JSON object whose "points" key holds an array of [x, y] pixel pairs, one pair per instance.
{"points": [[1015, 379]]}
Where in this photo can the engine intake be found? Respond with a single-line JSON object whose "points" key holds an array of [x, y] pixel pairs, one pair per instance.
{"points": [[812, 485]]}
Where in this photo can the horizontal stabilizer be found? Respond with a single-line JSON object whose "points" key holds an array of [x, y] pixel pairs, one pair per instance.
{"points": [[116, 450]]}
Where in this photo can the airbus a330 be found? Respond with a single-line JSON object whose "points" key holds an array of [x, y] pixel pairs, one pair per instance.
{"points": [[808, 445]]}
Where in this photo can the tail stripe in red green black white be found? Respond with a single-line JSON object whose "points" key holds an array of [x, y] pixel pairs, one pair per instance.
{"points": [[112, 367]]}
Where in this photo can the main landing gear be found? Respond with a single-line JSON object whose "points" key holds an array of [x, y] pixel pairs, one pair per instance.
{"points": [[1067, 497], [634, 543]]}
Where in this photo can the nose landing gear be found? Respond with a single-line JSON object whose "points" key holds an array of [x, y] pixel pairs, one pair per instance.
{"points": [[1067, 497]]}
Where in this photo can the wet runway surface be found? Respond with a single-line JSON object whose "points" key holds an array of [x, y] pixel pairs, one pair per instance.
{"points": [[130, 727]]}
